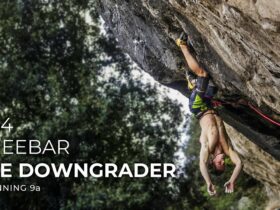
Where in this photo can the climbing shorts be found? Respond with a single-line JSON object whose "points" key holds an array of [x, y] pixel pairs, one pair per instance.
{"points": [[199, 103]]}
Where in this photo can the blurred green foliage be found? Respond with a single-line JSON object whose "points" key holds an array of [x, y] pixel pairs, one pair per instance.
{"points": [[54, 85], [249, 194]]}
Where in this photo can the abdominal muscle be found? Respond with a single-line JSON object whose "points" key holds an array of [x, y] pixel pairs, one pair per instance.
{"points": [[209, 130]]}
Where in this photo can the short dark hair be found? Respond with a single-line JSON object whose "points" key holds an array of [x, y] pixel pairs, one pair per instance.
{"points": [[213, 170]]}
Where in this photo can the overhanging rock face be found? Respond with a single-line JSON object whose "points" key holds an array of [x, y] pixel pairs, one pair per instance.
{"points": [[237, 41], [263, 168]]}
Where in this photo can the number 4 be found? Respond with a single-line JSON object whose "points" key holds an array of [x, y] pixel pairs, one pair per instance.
{"points": [[5, 126]]}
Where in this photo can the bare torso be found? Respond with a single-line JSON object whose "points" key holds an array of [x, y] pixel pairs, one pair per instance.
{"points": [[213, 133]]}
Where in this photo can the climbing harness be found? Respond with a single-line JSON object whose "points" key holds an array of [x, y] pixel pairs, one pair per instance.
{"points": [[198, 102]]}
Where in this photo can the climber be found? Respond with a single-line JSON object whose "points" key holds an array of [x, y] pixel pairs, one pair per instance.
{"points": [[214, 139]]}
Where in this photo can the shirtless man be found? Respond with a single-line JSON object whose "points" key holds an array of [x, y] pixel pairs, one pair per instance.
{"points": [[214, 139]]}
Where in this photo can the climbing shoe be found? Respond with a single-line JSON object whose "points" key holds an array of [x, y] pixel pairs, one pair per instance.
{"points": [[182, 40]]}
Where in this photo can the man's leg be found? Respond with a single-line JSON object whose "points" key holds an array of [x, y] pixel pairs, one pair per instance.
{"points": [[192, 62]]}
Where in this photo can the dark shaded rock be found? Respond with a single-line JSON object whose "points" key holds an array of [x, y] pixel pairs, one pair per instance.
{"points": [[237, 42]]}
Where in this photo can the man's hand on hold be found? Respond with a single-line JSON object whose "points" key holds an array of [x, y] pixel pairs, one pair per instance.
{"points": [[211, 189], [229, 187]]}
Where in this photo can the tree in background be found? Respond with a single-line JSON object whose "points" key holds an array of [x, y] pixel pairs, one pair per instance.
{"points": [[53, 86]]}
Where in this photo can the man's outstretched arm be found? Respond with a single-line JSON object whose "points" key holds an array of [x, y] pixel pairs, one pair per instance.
{"points": [[192, 62], [229, 185], [203, 157]]}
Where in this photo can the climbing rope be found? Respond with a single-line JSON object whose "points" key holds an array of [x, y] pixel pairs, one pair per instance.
{"points": [[263, 115], [220, 103]]}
